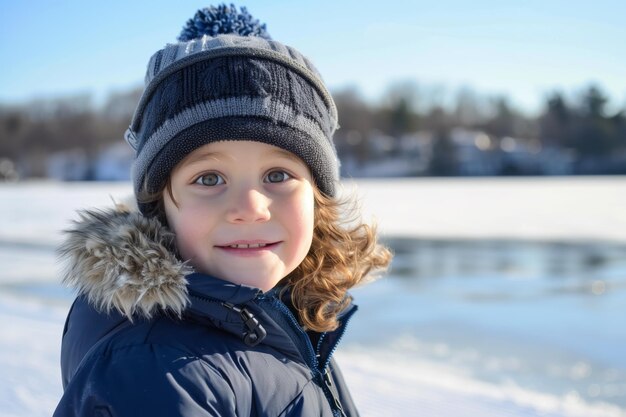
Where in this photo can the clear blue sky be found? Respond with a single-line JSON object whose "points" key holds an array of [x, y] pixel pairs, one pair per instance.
{"points": [[521, 49]]}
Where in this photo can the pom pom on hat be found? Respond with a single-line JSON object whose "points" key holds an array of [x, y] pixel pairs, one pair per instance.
{"points": [[223, 19]]}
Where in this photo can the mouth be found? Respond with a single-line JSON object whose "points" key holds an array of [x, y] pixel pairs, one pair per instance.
{"points": [[244, 248], [248, 245]]}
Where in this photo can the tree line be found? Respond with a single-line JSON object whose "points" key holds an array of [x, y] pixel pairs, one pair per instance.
{"points": [[584, 126], [31, 132]]}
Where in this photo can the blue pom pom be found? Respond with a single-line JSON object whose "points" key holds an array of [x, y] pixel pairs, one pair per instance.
{"points": [[222, 19]]}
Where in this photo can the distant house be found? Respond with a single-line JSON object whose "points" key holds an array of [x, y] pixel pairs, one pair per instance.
{"points": [[466, 153], [477, 154], [70, 165], [113, 164], [380, 155], [557, 161], [480, 154]]}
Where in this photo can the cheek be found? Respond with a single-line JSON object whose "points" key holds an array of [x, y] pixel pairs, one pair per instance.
{"points": [[302, 221], [191, 242], [188, 230]]}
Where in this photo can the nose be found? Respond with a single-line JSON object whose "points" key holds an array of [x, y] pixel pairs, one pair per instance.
{"points": [[249, 205]]}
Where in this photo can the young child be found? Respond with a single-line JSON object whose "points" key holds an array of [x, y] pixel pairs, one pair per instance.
{"points": [[226, 294]]}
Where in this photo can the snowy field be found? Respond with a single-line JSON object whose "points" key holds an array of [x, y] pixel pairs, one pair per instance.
{"points": [[442, 336]]}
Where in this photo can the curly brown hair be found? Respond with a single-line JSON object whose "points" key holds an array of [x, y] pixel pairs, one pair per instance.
{"points": [[344, 253]]}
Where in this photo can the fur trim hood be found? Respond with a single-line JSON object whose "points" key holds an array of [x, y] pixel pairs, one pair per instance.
{"points": [[121, 260]]}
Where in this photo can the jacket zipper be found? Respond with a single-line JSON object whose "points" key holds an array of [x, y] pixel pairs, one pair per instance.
{"points": [[328, 383], [327, 378], [323, 378], [348, 317]]}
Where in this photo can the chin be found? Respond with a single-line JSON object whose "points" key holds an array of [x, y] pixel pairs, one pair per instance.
{"points": [[264, 284]]}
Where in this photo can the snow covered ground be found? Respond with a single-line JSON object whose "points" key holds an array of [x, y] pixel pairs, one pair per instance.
{"points": [[545, 208], [463, 344]]}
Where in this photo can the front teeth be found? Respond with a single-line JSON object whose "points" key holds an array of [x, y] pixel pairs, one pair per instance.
{"points": [[252, 245]]}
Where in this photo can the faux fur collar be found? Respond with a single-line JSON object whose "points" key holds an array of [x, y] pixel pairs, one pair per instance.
{"points": [[121, 260]]}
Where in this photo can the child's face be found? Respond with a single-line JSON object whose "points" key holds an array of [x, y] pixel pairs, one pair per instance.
{"points": [[245, 211]]}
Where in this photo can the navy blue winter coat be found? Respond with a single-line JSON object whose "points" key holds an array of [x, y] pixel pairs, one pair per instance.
{"points": [[148, 337]]}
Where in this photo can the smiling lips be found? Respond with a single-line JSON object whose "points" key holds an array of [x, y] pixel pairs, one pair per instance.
{"points": [[248, 246], [254, 248]]}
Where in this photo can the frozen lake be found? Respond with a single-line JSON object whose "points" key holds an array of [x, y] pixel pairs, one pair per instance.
{"points": [[546, 316], [477, 316]]}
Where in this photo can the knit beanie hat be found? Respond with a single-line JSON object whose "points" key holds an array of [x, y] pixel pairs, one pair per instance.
{"points": [[227, 80]]}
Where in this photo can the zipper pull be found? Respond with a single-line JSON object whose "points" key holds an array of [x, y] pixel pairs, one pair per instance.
{"points": [[256, 333], [328, 381]]}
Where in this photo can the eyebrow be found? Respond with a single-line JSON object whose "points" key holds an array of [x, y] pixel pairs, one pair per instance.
{"points": [[285, 154], [193, 159]]}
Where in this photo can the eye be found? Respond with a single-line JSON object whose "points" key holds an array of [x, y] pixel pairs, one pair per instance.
{"points": [[211, 179], [277, 176]]}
